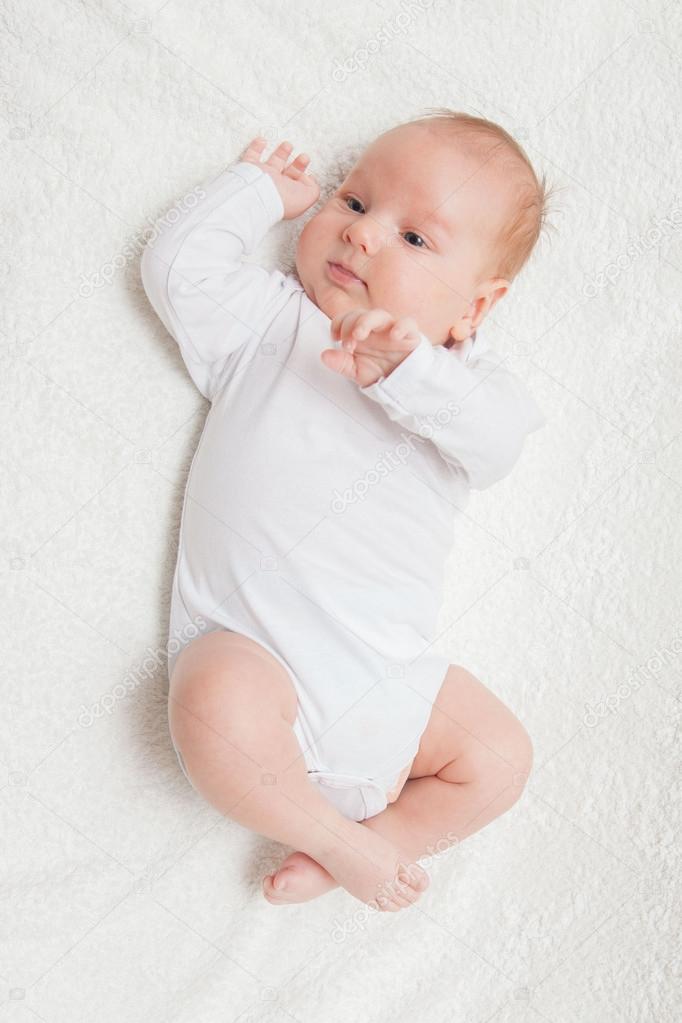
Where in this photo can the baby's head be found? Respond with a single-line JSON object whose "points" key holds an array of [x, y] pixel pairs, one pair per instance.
{"points": [[436, 219]]}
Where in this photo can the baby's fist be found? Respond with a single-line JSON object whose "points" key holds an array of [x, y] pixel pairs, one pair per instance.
{"points": [[297, 190], [374, 343]]}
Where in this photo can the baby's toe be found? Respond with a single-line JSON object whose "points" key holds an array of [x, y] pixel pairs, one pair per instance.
{"points": [[405, 895], [279, 879], [271, 892], [385, 904], [409, 885], [267, 885], [415, 877], [421, 883]]}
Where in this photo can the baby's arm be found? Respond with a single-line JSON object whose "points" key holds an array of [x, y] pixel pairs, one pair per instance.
{"points": [[477, 413], [193, 274], [192, 269]]}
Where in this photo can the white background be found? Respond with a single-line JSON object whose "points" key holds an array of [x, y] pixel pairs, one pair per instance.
{"points": [[124, 896]]}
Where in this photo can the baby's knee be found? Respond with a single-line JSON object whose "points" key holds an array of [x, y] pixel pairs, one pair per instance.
{"points": [[513, 762], [520, 753], [501, 761], [203, 708]]}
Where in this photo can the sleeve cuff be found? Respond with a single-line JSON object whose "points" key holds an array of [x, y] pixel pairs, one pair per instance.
{"points": [[401, 381], [400, 386], [265, 187]]}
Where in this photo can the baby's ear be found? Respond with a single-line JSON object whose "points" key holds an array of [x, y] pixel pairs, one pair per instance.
{"points": [[487, 298]]}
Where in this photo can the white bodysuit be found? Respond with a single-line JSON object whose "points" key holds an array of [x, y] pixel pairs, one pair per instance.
{"points": [[318, 514]]}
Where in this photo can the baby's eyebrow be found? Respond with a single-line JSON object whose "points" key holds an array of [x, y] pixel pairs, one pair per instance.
{"points": [[437, 221], [433, 220]]}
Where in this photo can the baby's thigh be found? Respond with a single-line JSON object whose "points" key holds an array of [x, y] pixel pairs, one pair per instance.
{"points": [[471, 733], [222, 680]]}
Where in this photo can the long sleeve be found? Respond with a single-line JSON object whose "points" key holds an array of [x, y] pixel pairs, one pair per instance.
{"points": [[476, 413], [192, 271]]}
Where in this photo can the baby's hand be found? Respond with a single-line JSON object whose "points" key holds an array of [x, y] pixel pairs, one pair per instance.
{"points": [[298, 190], [388, 342]]}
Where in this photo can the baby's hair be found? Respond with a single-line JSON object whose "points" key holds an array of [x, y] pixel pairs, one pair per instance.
{"points": [[521, 233]]}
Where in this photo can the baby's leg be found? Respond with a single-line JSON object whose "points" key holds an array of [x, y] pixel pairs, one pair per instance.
{"points": [[472, 765], [231, 710]]}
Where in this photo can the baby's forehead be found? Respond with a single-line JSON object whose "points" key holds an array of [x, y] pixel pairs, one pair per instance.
{"points": [[429, 173], [434, 160]]}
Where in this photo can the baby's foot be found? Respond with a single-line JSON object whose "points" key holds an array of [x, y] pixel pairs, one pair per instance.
{"points": [[299, 879], [373, 869]]}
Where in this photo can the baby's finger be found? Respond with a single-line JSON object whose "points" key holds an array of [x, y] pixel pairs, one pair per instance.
{"points": [[339, 361], [280, 155], [360, 322], [255, 149], [342, 325], [335, 325], [403, 328], [297, 167], [387, 334], [350, 324], [374, 319]]}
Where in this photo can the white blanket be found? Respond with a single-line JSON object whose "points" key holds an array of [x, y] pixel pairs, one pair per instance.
{"points": [[124, 896]]}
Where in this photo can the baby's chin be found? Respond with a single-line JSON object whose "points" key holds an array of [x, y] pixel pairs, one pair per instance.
{"points": [[334, 301]]}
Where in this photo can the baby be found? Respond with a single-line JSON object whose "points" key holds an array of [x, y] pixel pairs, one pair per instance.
{"points": [[353, 408]]}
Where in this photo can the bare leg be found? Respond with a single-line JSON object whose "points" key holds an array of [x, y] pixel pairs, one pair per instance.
{"points": [[472, 765], [231, 710]]}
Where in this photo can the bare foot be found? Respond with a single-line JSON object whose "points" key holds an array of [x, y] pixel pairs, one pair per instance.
{"points": [[299, 879], [365, 864]]}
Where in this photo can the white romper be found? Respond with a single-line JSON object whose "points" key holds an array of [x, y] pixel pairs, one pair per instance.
{"points": [[318, 514]]}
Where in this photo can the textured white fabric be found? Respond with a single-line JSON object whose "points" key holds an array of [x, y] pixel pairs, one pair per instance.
{"points": [[302, 528], [124, 895]]}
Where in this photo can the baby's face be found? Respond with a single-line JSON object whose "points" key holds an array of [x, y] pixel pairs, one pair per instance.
{"points": [[416, 221]]}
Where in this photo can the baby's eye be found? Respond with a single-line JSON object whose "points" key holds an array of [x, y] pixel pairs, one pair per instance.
{"points": [[420, 244], [351, 198]]}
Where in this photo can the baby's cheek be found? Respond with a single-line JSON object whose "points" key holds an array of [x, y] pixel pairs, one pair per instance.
{"points": [[308, 255], [408, 279], [303, 244]]}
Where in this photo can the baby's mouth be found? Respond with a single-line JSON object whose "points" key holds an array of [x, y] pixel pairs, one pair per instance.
{"points": [[340, 275]]}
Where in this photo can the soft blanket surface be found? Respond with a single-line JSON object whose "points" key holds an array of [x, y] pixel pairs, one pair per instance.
{"points": [[124, 895]]}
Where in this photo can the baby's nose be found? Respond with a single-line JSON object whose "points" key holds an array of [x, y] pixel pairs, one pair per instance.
{"points": [[367, 235]]}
